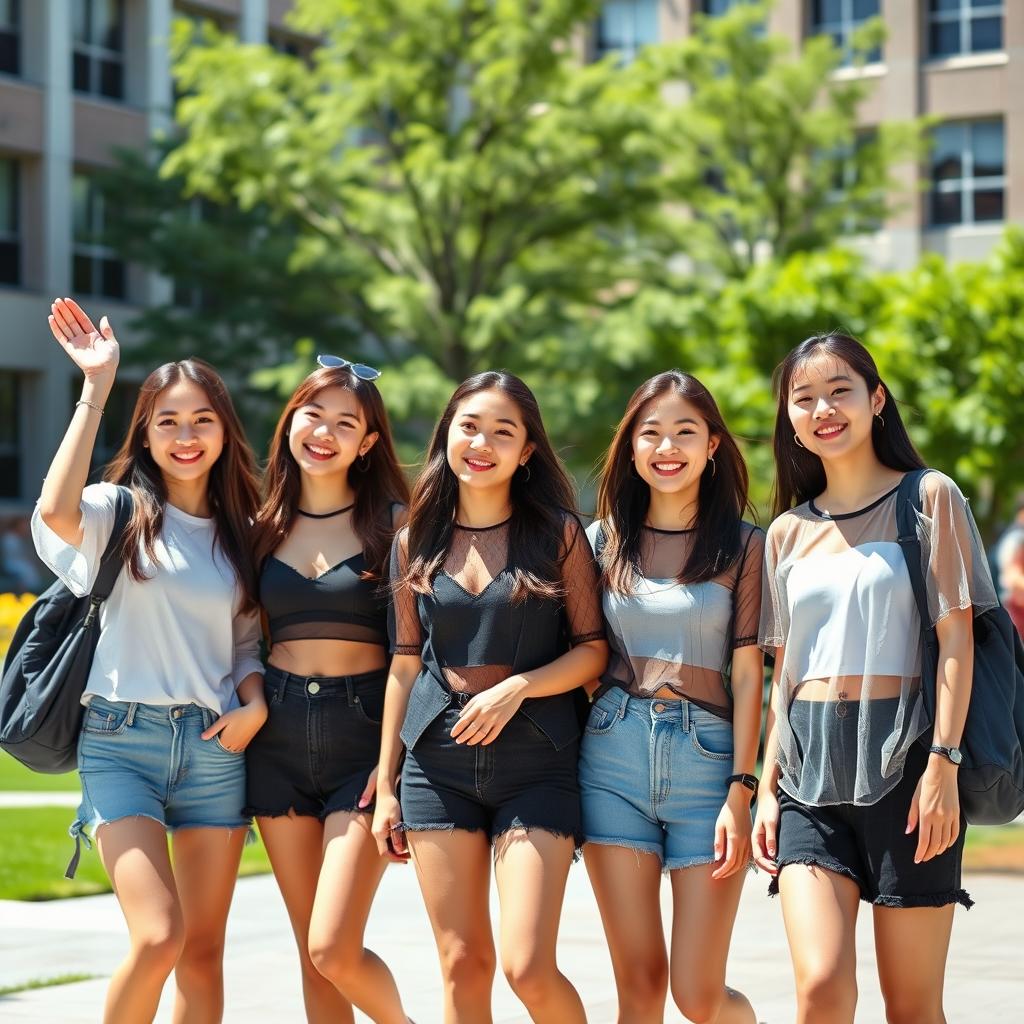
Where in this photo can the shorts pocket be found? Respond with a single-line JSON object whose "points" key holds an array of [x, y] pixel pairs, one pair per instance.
{"points": [[106, 721], [602, 719], [712, 737], [233, 753], [371, 708]]}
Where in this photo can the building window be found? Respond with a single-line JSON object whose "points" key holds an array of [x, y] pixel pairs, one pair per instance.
{"points": [[10, 37], [968, 173], [841, 19], [10, 236], [624, 26], [964, 26], [716, 8], [10, 435], [98, 270], [98, 58], [848, 174], [113, 428]]}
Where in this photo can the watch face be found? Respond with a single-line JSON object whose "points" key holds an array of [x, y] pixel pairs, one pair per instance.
{"points": [[955, 756]]}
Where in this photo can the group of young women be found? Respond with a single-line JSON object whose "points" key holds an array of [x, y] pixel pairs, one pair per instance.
{"points": [[468, 677]]}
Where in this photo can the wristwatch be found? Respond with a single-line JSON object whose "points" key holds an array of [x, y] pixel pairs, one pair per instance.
{"points": [[951, 754], [744, 779]]}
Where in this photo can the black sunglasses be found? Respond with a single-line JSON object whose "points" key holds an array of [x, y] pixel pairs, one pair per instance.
{"points": [[361, 370]]}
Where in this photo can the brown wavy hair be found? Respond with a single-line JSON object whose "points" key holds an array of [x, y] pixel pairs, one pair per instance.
{"points": [[232, 488], [800, 474], [623, 497], [540, 500], [378, 485]]}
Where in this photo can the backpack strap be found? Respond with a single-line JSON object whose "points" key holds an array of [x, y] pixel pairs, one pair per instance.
{"points": [[908, 505], [110, 563]]}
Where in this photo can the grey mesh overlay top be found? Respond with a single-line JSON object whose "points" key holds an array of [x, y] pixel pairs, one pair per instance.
{"points": [[838, 601], [681, 636]]}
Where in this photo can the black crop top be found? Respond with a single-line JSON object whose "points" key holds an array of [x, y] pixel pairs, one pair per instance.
{"points": [[336, 605]]}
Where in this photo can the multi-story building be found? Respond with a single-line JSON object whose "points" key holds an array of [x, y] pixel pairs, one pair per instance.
{"points": [[80, 78]]}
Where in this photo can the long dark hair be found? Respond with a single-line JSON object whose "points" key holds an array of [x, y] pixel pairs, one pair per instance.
{"points": [[232, 489], [799, 473], [378, 482], [623, 497], [540, 499]]}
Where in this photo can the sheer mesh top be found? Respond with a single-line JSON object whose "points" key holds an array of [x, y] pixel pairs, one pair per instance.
{"points": [[476, 632], [681, 636], [838, 600]]}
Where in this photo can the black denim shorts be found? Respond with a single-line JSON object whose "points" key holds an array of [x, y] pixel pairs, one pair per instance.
{"points": [[869, 845], [520, 781], [320, 742]]}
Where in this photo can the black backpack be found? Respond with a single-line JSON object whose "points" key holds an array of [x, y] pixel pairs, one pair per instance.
{"points": [[47, 665], [991, 777]]}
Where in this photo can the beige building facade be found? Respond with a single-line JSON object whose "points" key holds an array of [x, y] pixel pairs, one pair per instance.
{"points": [[79, 78]]}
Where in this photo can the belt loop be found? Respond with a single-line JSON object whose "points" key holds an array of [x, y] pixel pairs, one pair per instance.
{"points": [[130, 719], [685, 713], [350, 689], [280, 684], [623, 703]]}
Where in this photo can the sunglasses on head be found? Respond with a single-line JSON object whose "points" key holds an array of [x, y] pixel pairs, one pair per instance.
{"points": [[361, 370]]}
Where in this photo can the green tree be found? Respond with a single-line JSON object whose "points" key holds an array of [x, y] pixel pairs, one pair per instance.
{"points": [[765, 157]]}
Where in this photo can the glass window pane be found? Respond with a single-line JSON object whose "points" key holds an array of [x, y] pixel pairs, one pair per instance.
{"points": [[81, 274], [80, 206], [986, 34], [112, 284], [10, 56], [645, 23], [949, 142], [80, 73], [864, 9], [717, 7], [111, 79], [988, 204], [81, 15], [8, 13], [109, 24], [944, 38], [828, 10], [946, 208], [9, 419], [8, 197], [10, 261], [987, 146], [945, 5]]}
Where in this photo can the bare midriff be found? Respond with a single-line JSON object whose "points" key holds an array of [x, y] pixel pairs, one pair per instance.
{"points": [[327, 657], [850, 687]]}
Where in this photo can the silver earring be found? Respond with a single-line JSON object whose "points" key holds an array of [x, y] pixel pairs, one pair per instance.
{"points": [[798, 442], [878, 416], [523, 465], [714, 469]]}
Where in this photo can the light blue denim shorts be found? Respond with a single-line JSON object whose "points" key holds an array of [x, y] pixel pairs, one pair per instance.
{"points": [[652, 776], [148, 760]]}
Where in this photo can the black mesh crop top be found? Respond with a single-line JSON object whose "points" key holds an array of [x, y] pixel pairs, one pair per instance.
{"points": [[336, 605]]}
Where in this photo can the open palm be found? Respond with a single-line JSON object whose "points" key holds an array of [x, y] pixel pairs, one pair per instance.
{"points": [[94, 352]]}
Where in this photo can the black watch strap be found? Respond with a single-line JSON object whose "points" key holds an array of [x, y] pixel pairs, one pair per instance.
{"points": [[745, 779]]}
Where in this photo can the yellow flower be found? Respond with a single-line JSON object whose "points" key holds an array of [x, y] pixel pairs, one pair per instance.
{"points": [[12, 608]]}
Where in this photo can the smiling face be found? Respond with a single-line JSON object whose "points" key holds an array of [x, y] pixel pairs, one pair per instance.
{"points": [[328, 433], [184, 435], [487, 440], [830, 407], [671, 444]]}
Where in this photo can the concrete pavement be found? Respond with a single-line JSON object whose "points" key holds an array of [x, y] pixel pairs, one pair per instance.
{"points": [[39, 940]]}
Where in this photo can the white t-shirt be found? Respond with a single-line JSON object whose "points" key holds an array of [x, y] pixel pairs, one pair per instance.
{"points": [[176, 638]]}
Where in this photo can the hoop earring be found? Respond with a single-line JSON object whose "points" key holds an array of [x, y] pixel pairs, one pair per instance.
{"points": [[714, 469], [878, 416], [798, 442], [523, 465], [362, 463]]}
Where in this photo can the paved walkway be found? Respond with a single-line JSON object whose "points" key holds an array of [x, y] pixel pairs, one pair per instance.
{"points": [[38, 940], [34, 799]]}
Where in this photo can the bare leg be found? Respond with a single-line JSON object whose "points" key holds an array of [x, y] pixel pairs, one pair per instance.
{"points": [[703, 914], [351, 872], [295, 846], [627, 885], [912, 985], [531, 869], [454, 871], [205, 869], [820, 911], [134, 854]]}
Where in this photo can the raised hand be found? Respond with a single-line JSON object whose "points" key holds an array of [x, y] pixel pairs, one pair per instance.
{"points": [[95, 352]]}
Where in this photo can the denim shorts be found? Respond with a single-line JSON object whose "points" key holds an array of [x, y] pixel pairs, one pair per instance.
{"points": [[318, 746], [520, 781], [147, 760], [868, 843], [652, 776]]}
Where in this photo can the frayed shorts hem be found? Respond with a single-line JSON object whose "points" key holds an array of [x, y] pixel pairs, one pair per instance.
{"points": [[295, 812], [448, 826], [817, 862], [637, 846]]}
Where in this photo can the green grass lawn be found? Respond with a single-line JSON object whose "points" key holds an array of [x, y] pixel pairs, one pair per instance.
{"points": [[15, 776], [35, 851]]}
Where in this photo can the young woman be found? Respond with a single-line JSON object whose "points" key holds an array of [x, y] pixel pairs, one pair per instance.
{"points": [[492, 575], [323, 536], [669, 750], [175, 692], [853, 806]]}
